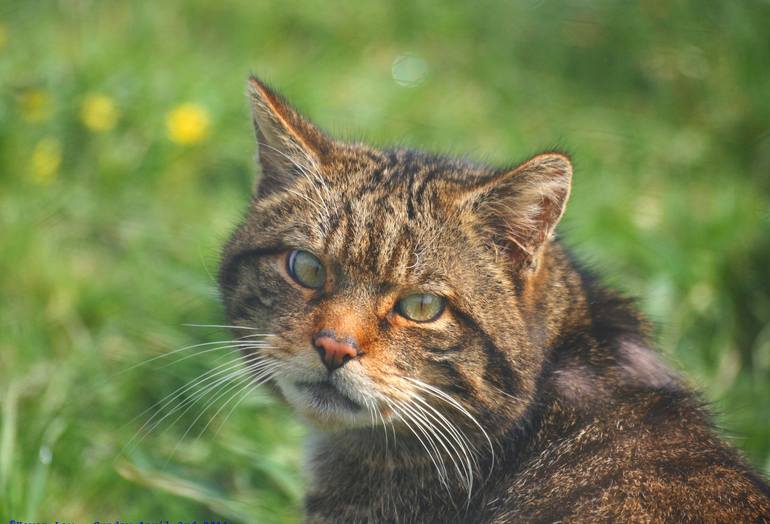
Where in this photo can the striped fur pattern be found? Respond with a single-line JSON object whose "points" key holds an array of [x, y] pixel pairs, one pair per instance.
{"points": [[536, 396]]}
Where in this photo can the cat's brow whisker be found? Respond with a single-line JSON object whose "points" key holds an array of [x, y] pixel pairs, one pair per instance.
{"points": [[315, 179], [310, 173]]}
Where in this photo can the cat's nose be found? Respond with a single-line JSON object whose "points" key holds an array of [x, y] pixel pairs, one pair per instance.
{"points": [[335, 352]]}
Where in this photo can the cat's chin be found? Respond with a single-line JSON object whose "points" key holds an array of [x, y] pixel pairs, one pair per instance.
{"points": [[323, 405]]}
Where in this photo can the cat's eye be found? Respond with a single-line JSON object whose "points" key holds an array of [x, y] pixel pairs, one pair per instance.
{"points": [[306, 269], [421, 307]]}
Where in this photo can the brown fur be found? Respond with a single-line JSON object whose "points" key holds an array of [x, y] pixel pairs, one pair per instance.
{"points": [[582, 421]]}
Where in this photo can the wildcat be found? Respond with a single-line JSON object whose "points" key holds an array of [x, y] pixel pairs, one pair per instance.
{"points": [[456, 363]]}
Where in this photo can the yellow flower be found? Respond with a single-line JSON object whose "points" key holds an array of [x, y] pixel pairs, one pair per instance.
{"points": [[45, 161], [187, 124], [98, 112], [35, 105], [3, 36]]}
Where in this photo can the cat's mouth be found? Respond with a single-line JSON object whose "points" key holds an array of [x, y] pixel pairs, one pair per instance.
{"points": [[325, 396]]}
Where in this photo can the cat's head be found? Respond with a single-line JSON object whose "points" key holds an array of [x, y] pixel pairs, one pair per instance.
{"points": [[395, 285]]}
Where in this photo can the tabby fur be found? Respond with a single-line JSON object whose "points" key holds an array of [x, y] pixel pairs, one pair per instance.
{"points": [[537, 395]]}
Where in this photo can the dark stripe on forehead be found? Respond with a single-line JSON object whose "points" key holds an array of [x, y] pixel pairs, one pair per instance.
{"points": [[374, 241], [349, 225], [333, 226], [395, 254], [409, 196], [379, 168], [420, 191], [372, 183], [385, 161]]}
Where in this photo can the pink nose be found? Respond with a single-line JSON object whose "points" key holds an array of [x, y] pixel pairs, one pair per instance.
{"points": [[335, 353]]}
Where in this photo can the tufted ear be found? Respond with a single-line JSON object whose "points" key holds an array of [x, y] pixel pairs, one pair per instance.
{"points": [[522, 206], [288, 145]]}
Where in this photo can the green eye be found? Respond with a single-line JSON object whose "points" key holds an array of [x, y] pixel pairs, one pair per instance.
{"points": [[421, 307], [306, 269]]}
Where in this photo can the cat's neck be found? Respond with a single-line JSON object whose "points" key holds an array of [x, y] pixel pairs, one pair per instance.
{"points": [[386, 469]]}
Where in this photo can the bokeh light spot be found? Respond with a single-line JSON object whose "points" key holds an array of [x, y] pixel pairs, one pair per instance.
{"points": [[409, 70]]}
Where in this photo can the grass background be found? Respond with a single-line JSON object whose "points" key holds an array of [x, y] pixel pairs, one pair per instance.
{"points": [[109, 238]]}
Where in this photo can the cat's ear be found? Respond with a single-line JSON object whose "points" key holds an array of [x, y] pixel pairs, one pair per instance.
{"points": [[522, 206], [288, 145]]}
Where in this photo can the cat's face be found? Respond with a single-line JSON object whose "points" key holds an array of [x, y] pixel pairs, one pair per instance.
{"points": [[394, 286]]}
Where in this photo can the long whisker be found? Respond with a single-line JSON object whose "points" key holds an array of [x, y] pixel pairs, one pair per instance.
{"points": [[160, 404], [249, 369], [370, 408], [206, 377], [378, 412], [467, 475], [458, 435], [235, 385], [239, 346], [437, 393], [190, 402], [256, 383], [440, 469], [454, 441], [226, 326], [186, 348]]}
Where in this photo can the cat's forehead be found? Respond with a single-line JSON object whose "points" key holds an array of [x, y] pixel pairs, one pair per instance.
{"points": [[401, 180], [385, 216]]}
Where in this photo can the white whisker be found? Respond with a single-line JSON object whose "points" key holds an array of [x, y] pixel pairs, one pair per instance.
{"points": [[465, 476], [440, 469], [228, 326], [457, 442], [437, 393], [206, 377], [236, 375], [254, 385], [239, 346]]}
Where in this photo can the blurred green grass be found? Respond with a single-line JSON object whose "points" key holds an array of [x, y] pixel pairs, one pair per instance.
{"points": [[110, 229]]}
